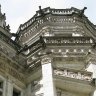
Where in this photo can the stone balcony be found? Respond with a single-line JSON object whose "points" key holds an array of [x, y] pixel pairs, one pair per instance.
{"points": [[74, 81]]}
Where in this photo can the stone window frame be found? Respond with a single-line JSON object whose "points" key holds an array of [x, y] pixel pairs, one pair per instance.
{"points": [[17, 88]]}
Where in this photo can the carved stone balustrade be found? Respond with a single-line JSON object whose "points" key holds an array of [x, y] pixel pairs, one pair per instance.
{"points": [[48, 10], [87, 76]]}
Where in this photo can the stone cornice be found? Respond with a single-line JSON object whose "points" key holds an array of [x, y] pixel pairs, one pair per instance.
{"points": [[51, 16], [32, 30]]}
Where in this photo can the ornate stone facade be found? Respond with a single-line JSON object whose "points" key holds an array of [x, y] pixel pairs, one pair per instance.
{"points": [[53, 54]]}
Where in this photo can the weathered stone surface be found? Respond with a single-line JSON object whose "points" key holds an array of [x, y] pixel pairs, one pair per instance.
{"points": [[53, 55]]}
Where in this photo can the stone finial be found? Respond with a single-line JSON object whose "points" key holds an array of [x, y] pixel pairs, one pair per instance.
{"points": [[82, 11], [39, 7], [8, 27], [41, 11]]}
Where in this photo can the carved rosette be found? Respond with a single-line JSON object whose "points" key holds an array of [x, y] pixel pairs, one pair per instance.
{"points": [[45, 59]]}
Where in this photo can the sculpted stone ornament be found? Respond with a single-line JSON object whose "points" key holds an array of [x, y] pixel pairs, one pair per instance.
{"points": [[91, 58], [14, 34], [8, 27], [41, 12], [94, 45], [46, 60], [23, 49], [82, 11], [42, 42]]}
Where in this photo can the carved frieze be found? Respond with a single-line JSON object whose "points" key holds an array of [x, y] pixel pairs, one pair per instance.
{"points": [[72, 74]]}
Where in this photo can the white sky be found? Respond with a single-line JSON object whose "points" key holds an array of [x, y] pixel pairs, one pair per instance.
{"points": [[19, 11]]}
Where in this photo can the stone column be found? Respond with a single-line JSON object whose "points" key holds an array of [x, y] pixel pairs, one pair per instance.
{"points": [[4, 88], [92, 68], [9, 88], [28, 90], [47, 74], [3, 80]]}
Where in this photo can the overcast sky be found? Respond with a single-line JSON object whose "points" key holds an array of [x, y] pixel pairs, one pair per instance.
{"points": [[19, 11]]}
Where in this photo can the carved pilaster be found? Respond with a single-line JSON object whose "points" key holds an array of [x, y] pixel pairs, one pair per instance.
{"points": [[9, 87], [47, 74]]}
